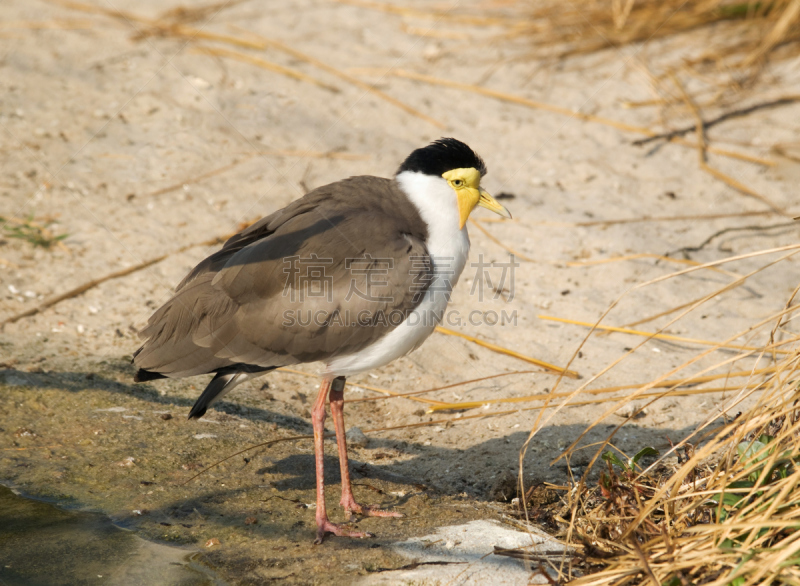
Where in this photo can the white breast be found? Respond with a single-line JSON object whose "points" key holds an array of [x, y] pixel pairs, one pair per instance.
{"points": [[448, 246]]}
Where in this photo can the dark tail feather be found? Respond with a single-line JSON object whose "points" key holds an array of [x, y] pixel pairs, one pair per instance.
{"points": [[224, 381], [143, 375], [215, 388]]}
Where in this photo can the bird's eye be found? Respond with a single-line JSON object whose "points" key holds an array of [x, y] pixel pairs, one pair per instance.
{"points": [[457, 183]]}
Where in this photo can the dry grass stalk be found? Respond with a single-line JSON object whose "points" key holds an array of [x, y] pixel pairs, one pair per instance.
{"points": [[744, 34], [435, 389], [507, 248], [546, 397], [702, 147], [744, 37], [446, 14], [342, 75], [721, 118], [660, 257], [727, 512], [81, 289], [342, 156], [390, 394], [508, 352], [612, 222], [433, 33], [514, 99], [172, 24], [540, 421], [63, 24], [263, 64], [655, 335], [199, 178]]}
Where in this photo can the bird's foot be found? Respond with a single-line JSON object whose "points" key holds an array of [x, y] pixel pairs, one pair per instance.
{"points": [[324, 527], [351, 507]]}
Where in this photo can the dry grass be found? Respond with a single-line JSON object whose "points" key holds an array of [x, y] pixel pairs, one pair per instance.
{"points": [[726, 510], [174, 24], [712, 55], [725, 513], [721, 507], [743, 35]]}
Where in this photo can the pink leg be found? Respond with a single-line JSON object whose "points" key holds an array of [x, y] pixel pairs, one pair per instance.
{"points": [[337, 412], [318, 421]]}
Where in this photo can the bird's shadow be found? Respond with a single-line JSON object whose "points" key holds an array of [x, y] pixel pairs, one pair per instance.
{"points": [[276, 484], [448, 470], [76, 382]]}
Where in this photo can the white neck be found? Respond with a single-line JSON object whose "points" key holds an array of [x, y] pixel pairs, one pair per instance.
{"points": [[437, 204], [448, 246]]}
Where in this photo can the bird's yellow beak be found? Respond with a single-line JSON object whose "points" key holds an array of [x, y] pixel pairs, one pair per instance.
{"points": [[487, 201], [469, 197]]}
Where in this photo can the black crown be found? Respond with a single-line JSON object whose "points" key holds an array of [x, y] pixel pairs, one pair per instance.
{"points": [[442, 156]]}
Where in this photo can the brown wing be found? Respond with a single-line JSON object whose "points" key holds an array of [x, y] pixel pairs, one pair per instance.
{"points": [[320, 278]]}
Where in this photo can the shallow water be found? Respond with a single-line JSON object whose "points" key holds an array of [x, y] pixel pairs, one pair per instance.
{"points": [[42, 544]]}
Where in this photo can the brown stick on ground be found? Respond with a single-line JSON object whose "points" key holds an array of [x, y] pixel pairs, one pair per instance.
{"points": [[738, 113], [95, 282], [702, 152], [514, 99], [202, 177]]}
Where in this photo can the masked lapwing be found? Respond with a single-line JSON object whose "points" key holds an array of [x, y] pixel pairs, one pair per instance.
{"points": [[353, 275]]}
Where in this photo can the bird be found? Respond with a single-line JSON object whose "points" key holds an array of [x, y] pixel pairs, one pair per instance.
{"points": [[354, 274]]}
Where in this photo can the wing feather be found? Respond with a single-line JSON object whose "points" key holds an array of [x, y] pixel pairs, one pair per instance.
{"points": [[253, 301]]}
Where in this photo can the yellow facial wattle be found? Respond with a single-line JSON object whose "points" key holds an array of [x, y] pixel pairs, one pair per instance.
{"points": [[467, 185]]}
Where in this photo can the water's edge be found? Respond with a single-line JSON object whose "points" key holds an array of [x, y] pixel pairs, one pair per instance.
{"points": [[44, 543]]}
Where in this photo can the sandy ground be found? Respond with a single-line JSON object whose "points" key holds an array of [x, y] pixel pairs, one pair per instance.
{"points": [[110, 134]]}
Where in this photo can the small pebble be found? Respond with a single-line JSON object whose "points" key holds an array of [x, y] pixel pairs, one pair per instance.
{"points": [[166, 416], [635, 411], [199, 83], [356, 437]]}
